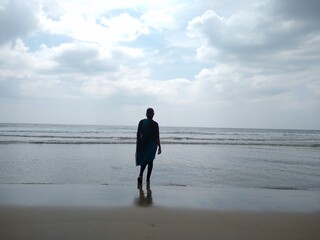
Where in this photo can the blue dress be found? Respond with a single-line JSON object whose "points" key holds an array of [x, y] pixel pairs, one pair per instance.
{"points": [[147, 136]]}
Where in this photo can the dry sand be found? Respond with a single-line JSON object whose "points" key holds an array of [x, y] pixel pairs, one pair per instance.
{"points": [[153, 223]]}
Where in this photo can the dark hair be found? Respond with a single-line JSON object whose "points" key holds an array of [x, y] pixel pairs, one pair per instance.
{"points": [[150, 113]]}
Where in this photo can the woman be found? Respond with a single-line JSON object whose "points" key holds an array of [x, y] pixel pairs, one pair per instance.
{"points": [[148, 141]]}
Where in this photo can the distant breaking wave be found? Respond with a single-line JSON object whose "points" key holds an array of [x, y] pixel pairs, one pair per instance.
{"points": [[72, 140], [86, 134]]}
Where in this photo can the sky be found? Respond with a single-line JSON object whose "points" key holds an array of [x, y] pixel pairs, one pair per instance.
{"points": [[230, 63]]}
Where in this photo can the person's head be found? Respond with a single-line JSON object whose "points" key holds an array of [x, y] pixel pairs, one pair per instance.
{"points": [[149, 113]]}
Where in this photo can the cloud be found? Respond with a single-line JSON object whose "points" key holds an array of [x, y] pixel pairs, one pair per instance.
{"points": [[204, 57], [133, 87], [124, 27], [14, 54], [17, 19], [306, 11], [97, 24], [258, 56], [81, 58], [103, 31], [63, 71], [256, 33], [269, 46], [163, 18]]}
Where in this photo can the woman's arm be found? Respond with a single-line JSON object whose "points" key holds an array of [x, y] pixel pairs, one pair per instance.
{"points": [[139, 133], [158, 140], [159, 146]]}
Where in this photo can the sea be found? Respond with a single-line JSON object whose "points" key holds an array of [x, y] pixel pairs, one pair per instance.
{"points": [[191, 156]]}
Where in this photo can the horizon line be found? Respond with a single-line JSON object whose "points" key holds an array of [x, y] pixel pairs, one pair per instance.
{"points": [[166, 126]]}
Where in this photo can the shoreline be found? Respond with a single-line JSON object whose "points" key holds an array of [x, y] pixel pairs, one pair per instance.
{"points": [[170, 196]]}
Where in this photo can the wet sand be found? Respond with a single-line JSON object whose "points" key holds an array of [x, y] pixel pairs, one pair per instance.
{"points": [[153, 223], [165, 212]]}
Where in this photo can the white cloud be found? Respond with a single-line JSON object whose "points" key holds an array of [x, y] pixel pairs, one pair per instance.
{"points": [[94, 23], [267, 57], [69, 70], [249, 34], [163, 18], [124, 28], [202, 57], [13, 55], [105, 32]]}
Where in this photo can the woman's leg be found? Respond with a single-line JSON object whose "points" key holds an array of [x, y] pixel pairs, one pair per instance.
{"points": [[150, 166], [142, 168]]}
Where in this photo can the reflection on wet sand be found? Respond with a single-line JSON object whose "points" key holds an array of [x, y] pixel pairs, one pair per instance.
{"points": [[144, 200]]}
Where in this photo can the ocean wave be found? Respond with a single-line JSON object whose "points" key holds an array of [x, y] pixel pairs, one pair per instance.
{"points": [[282, 188], [62, 136], [133, 141], [80, 134]]}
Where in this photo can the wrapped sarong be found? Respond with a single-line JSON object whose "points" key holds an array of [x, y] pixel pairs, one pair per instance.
{"points": [[148, 132]]}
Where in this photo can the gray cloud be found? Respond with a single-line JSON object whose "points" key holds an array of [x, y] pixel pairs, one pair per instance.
{"points": [[17, 19], [83, 59], [307, 10], [263, 54], [269, 35]]}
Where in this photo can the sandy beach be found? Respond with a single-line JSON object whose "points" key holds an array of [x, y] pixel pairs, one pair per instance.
{"points": [[124, 212], [153, 223]]}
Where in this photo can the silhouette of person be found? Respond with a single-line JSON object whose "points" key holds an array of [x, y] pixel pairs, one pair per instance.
{"points": [[148, 141]]}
